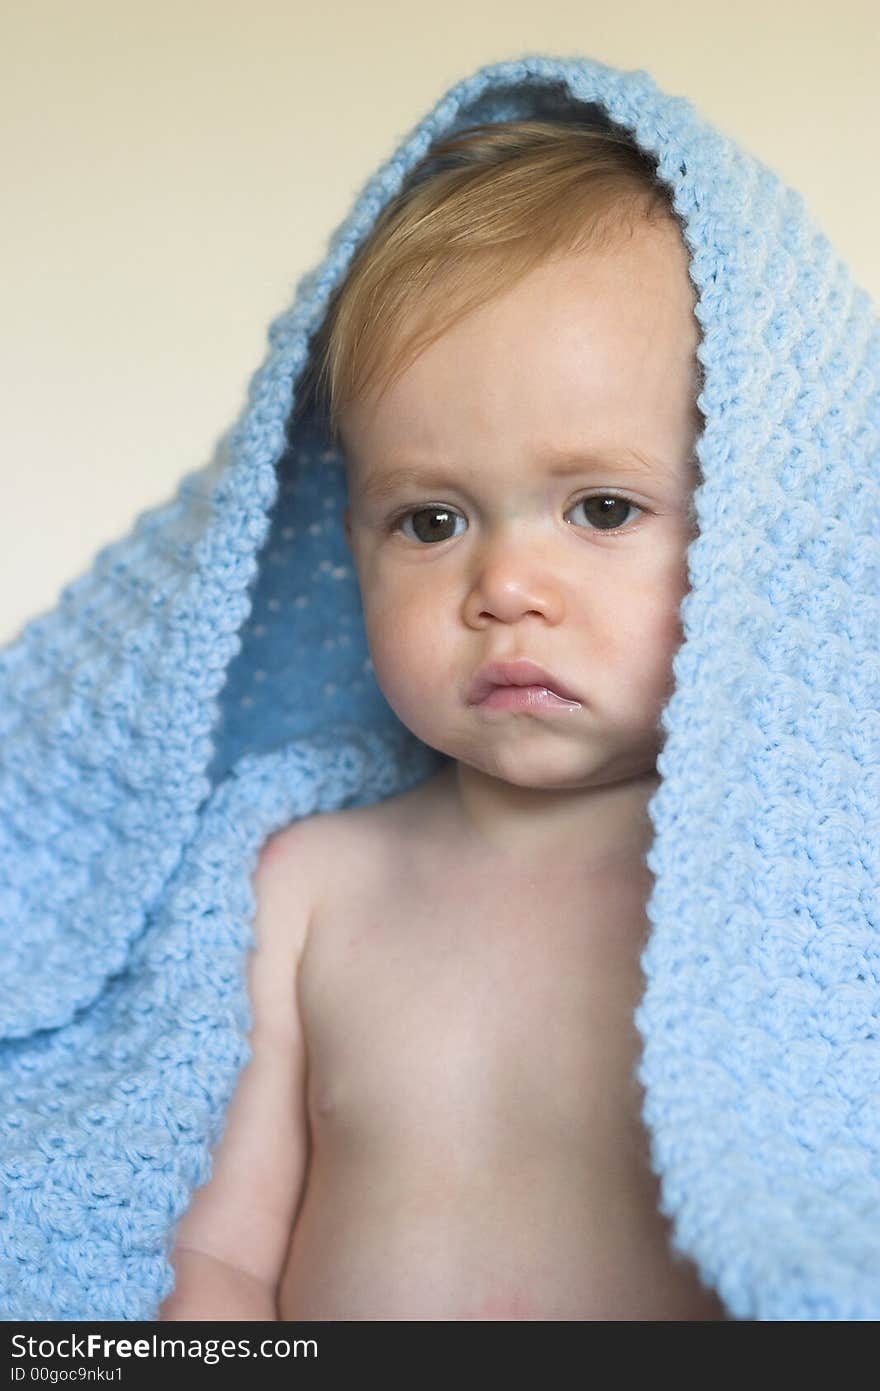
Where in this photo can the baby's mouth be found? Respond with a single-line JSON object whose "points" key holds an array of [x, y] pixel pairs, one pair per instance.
{"points": [[530, 698], [519, 674]]}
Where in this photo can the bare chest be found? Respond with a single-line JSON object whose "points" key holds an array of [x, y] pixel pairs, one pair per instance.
{"points": [[498, 1009], [477, 1149]]}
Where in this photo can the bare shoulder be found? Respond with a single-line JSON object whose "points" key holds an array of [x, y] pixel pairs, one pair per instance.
{"points": [[297, 869], [288, 875], [307, 856], [290, 855], [299, 856]]}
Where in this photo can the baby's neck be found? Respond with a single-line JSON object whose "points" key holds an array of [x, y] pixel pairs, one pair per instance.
{"points": [[524, 826]]}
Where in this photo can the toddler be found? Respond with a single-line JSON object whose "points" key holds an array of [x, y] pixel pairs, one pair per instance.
{"points": [[441, 1118]]}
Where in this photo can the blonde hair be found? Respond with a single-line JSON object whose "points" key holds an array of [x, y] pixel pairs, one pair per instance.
{"points": [[479, 211]]}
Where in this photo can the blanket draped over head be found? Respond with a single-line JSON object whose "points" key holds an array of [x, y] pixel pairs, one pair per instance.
{"points": [[207, 681]]}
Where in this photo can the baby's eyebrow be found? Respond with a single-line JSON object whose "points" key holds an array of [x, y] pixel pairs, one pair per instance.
{"points": [[623, 460], [631, 462]]}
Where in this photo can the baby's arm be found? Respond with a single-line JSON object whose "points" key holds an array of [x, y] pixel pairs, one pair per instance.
{"points": [[230, 1246], [210, 1290]]}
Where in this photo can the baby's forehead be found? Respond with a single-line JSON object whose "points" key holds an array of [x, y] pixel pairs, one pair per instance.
{"points": [[629, 447], [380, 477]]}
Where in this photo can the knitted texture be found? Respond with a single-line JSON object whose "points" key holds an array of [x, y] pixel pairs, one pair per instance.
{"points": [[208, 680]]}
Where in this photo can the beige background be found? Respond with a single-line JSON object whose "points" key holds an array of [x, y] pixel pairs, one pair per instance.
{"points": [[171, 169]]}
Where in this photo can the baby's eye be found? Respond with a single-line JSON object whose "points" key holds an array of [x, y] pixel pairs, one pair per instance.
{"points": [[431, 523], [610, 509], [436, 522]]}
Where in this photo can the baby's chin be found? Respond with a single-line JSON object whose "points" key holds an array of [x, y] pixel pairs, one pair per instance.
{"points": [[562, 771]]}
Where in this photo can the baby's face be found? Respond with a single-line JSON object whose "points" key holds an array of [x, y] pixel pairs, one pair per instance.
{"points": [[473, 532]]}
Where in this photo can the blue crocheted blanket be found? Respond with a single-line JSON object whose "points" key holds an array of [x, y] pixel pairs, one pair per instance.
{"points": [[207, 681]]}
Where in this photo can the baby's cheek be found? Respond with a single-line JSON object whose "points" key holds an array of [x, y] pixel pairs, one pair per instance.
{"points": [[405, 645], [659, 643], [628, 659], [655, 614]]}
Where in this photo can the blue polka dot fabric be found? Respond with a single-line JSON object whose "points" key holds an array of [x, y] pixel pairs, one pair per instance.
{"points": [[207, 681]]}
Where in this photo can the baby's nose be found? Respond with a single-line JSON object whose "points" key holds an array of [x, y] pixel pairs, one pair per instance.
{"points": [[512, 581]]}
